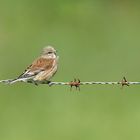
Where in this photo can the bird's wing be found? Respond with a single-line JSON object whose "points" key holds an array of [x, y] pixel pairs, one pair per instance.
{"points": [[41, 64]]}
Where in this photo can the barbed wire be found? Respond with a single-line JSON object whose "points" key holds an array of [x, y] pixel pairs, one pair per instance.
{"points": [[77, 83]]}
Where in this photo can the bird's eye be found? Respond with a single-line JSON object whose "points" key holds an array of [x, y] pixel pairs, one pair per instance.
{"points": [[49, 52]]}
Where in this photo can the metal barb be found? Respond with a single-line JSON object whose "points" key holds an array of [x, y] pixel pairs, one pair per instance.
{"points": [[76, 83], [124, 82]]}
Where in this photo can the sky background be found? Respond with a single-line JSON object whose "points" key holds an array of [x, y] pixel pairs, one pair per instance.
{"points": [[96, 41]]}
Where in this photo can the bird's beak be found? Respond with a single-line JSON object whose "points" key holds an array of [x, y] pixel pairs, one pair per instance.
{"points": [[56, 52]]}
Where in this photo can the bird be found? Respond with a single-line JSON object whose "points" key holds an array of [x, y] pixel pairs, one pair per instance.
{"points": [[41, 70]]}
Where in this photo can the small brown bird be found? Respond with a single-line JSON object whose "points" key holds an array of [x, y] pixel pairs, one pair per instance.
{"points": [[41, 70]]}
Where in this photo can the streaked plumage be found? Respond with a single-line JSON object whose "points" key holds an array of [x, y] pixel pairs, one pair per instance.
{"points": [[41, 70]]}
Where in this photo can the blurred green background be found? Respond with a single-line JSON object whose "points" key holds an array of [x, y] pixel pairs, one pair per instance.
{"points": [[97, 41]]}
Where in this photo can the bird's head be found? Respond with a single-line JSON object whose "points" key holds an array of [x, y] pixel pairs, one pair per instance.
{"points": [[49, 52]]}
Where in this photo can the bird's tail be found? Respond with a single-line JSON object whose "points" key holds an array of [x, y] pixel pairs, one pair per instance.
{"points": [[12, 81], [6, 81]]}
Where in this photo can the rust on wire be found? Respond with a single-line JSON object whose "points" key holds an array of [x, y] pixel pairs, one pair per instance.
{"points": [[76, 83], [124, 82]]}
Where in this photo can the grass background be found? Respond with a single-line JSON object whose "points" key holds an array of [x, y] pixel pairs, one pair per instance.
{"points": [[96, 40]]}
